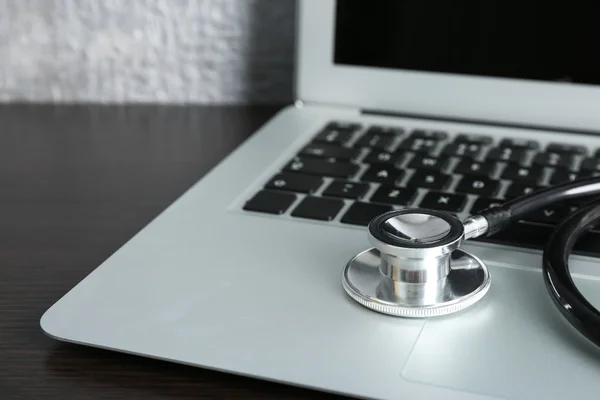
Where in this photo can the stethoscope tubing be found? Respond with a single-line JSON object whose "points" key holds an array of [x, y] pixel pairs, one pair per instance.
{"points": [[582, 315], [514, 210]]}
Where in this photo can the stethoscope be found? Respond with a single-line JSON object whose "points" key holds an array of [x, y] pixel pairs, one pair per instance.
{"points": [[416, 268]]}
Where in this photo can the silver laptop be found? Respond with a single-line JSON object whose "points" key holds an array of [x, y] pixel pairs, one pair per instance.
{"points": [[400, 104]]}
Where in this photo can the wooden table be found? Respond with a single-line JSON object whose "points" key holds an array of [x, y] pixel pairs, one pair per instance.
{"points": [[76, 182]]}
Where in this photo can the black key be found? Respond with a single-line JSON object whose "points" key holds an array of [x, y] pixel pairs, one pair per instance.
{"points": [[382, 157], [565, 148], [478, 185], [430, 180], [472, 150], [423, 134], [420, 145], [520, 144], [344, 125], [393, 131], [470, 167], [386, 130], [329, 151], [295, 182], [473, 138], [362, 213], [318, 208], [444, 201], [518, 189], [507, 154], [549, 215], [375, 140], [337, 133], [270, 202], [554, 160], [394, 195], [523, 174], [562, 176], [590, 165], [346, 189], [334, 137], [485, 202], [438, 164], [322, 168], [383, 174]]}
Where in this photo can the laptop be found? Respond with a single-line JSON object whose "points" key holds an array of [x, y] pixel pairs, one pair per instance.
{"points": [[443, 105]]}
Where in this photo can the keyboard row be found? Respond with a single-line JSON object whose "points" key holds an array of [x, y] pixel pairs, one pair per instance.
{"points": [[344, 142], [316, 208], [495, 154], [432, 172], [283, 191], [467, 184], [383, 137]]}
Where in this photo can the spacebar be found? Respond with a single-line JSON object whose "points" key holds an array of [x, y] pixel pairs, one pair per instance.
{"points": [[535, 236]]}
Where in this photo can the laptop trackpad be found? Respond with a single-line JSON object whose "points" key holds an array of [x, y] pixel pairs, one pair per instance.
{"points": [[514, 344]]}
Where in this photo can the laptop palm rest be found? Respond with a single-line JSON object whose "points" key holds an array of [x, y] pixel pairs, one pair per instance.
{"points": [[514, 344]]}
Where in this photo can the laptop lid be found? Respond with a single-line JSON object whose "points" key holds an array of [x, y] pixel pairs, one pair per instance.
{"points": [[516, 63]]}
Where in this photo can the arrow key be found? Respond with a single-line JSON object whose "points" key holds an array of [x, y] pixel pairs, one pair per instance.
{"points": [[550, 215]]}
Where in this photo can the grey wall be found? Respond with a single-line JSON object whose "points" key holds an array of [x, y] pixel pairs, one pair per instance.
{"points": [[201, 51]]}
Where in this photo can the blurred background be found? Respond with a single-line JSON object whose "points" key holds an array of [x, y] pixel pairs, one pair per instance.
{"points": [[175, 51]]}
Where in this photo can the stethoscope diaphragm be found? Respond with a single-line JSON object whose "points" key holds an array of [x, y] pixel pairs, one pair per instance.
{"points": [[415, 269]]}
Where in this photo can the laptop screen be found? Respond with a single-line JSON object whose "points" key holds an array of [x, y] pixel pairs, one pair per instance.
{"points": [[534, 40]]}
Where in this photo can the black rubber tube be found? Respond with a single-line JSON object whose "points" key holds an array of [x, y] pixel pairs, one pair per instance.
{"points": [[511, 211], [557, 277]]}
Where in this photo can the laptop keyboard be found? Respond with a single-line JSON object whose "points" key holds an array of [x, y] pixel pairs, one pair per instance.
{"points": [[350, 173]]}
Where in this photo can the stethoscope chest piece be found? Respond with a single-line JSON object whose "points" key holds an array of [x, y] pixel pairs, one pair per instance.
{"points": [[415, 268]]}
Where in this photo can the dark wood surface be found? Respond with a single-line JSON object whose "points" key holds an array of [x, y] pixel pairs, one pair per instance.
{"points": [[76, 182]]}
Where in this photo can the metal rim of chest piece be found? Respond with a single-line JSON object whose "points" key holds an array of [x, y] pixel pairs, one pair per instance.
{"points": [[415, 268]]}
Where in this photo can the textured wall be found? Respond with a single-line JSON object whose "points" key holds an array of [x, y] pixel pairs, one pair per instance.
{"points": [[217, 51]]}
